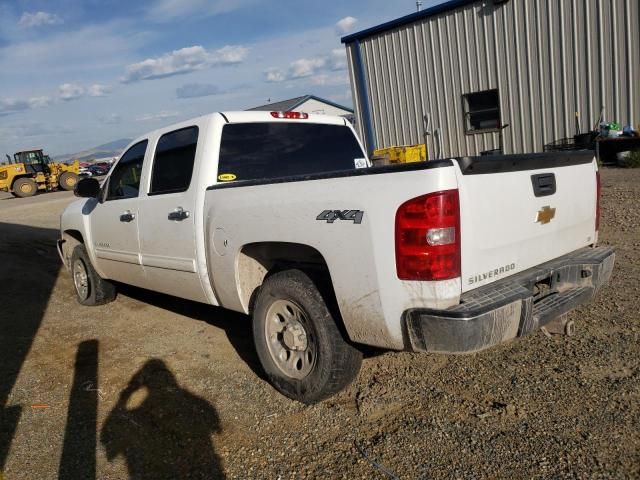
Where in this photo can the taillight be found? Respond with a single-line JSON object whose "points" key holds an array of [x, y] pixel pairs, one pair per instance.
{"points": [[428, 237], [290, 115], [597, 201]]}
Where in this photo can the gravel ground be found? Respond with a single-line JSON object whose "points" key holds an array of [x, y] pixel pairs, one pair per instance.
{"points": [[155, 387]]}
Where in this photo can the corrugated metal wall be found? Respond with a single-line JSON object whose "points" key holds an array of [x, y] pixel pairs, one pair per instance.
{"points": [[548, 58]]}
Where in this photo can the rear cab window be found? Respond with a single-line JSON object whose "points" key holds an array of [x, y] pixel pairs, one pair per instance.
{"points": [[256, 151]]}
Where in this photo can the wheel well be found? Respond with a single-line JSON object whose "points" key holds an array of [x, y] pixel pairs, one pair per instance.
{"points": [[18, 177], [257, 261], [72, 238]]}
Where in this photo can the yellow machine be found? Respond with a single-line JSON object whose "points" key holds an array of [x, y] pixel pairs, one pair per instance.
{"points": [[30, 171], [401, 154]]}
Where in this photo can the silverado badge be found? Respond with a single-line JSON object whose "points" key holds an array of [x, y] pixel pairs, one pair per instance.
{"points": [[545, 215]]}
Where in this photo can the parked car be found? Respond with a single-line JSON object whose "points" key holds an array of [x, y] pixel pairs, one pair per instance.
{"points": [[85, 172], [98, 170], [279, 215]]}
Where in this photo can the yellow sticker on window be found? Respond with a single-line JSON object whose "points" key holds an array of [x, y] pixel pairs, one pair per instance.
{"points": [[226, 177]]}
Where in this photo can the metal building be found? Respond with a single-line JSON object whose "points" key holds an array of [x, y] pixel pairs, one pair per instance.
{"points": [[544, 67]]}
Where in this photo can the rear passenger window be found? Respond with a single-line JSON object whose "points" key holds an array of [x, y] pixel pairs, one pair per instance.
{"points": [[124, 181], [251, 151], [173, 162]]}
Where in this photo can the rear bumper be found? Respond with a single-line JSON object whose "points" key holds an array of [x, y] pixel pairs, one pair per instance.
{"points": [[512, 307]]}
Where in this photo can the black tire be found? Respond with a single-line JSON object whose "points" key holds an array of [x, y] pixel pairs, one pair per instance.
{"points": [[25, 187], [95, 290], [333, 362], [67, 181]]}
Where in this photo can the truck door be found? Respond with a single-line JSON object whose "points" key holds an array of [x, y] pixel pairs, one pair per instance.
{"points": [[168, 219], [114, 221]]}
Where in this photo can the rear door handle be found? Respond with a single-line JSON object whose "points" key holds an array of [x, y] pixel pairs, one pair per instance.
{"points": [[127, 217], [178, 214]]}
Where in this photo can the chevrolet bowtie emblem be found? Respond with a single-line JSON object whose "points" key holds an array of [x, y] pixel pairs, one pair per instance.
{"points": [[545, 215]]}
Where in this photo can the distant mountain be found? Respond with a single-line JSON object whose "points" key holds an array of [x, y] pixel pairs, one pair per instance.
{"points": [[111, 149]]}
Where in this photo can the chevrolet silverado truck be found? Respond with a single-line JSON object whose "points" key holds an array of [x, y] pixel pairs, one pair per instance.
{"points": [[280, 215]]}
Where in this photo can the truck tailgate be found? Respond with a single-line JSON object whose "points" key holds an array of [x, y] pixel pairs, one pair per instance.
{"points": [[519, 211]]}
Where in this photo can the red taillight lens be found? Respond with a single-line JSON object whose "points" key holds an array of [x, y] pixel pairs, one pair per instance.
{"points": [[428, 237], [290, 115], [597, 201]]}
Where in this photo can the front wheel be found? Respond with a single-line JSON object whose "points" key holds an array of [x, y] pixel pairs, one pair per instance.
{"points": [[298, 341], [91, 289], [67, 181]]}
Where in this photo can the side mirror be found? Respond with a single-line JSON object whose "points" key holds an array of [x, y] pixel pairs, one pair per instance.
{"points": [[87, 188]]}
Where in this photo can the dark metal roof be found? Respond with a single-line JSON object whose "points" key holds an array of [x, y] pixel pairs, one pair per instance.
{"points": [[427, 12], [288, 105]]}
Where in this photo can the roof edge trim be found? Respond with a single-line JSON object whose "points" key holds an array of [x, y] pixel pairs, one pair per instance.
{"points": [[426, 13]]}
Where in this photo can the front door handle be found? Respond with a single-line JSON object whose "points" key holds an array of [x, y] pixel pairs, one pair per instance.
{"points": [[127, 217], [178, 214]]}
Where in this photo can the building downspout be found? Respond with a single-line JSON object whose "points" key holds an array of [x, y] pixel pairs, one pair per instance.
{"points": [[363, 95]]}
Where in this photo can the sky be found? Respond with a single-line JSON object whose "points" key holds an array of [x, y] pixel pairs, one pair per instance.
{"points": [[75, 74]]}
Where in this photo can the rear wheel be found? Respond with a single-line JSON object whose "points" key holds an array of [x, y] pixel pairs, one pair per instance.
{"points": [[91, 288], [67, 181], [298, 341], [25, 187]]}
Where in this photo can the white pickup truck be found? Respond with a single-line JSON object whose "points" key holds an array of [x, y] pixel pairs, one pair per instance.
{"points": [[280, 215]]}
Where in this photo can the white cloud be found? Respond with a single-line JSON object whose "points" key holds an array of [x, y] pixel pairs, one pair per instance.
{"points": [[338, 59], [230, 54], [148, 117], [346, 25], [70, 91], [37, 19], [305, 67], [193, 90], [184, 60], [275, 75], [11, 105], [98, 90], [310, 67], [39, 102]]}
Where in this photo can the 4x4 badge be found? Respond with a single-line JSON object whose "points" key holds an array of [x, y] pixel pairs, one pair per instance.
{"points": [[331, 216], [545, 215]]}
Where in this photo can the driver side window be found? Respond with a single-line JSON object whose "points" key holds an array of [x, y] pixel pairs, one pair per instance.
{"points": [[124, 181]]}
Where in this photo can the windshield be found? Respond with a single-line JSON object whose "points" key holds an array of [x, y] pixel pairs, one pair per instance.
{"points": [[29, 158]]}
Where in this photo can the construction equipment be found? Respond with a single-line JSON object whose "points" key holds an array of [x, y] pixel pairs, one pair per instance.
{"points": [[400, 154], [31, 170]]}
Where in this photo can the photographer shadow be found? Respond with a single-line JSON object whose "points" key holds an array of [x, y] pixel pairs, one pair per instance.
{"points": [[162, 430]]}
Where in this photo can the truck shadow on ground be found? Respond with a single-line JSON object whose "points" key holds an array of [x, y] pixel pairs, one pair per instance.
{"points": [[236, 326], [29, 267]]}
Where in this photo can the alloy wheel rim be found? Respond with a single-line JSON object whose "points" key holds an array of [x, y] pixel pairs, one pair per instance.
{"points": [[290, 340]]}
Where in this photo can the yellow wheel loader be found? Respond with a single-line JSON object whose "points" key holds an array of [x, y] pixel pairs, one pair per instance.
{"points": [[30, 171]]}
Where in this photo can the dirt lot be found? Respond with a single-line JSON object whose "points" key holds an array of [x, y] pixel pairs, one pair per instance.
{"points": [[155, 387]]}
